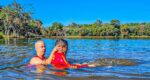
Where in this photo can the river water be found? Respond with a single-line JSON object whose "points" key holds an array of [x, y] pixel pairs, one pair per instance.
{"points": [[16, 54]]}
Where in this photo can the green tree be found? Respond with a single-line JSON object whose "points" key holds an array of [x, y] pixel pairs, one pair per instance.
{"points": [[98, 23], [16, 21], [74, 25], [57, 28], [124, 30], [115, 23], [147, 29]]}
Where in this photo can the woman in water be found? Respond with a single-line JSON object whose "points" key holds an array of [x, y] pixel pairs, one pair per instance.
{"points": [[58, 56]]}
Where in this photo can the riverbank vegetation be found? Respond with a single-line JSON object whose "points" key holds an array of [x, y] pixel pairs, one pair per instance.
{"points": [[114, 29], [15, 21]]}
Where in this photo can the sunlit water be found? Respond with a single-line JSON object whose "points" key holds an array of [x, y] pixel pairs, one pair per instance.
{"points": [[16, 54]]}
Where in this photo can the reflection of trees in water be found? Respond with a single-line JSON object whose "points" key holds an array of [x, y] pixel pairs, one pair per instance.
{"points": [[9, 41], [16, 41]]}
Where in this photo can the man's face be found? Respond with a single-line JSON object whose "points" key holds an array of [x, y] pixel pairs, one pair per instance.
{"points": [[40, 48]]}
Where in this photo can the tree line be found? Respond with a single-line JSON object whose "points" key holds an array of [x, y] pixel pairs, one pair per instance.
{"points": [[17, 22], [114, 28]]}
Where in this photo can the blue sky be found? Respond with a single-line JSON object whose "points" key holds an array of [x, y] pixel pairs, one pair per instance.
{"points": [[87, 11]]}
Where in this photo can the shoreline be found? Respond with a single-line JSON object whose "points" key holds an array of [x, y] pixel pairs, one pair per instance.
{"points": [[99, 37], [81, 37]]}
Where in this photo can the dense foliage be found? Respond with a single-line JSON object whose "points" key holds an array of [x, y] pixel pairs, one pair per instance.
{"points": [[16, 22], [114, 28]]}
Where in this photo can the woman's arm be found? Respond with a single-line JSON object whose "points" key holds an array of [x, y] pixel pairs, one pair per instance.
{"points": [[73, 65]]}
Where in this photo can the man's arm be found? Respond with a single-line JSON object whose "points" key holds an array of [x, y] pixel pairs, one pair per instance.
{"points": [[49, 59]]}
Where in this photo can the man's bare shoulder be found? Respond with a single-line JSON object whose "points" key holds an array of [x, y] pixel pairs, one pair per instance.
{"points": [[35, 61]]}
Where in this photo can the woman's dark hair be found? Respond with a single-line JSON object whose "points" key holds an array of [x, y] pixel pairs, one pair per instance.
{"points": [[62, 41]]}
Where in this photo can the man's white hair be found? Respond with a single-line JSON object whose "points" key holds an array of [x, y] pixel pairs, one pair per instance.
{"points": [[39, 41]]}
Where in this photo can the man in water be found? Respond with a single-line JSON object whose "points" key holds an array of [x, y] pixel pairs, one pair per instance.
{"points": [[40, 52]]}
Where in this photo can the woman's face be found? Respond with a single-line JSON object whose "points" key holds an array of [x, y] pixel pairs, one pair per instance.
{"points": [[65, 49], [61, 48]]}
